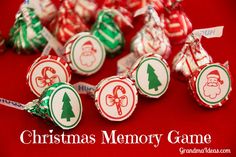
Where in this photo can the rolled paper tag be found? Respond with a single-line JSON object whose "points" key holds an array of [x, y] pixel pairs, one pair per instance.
{"points": [[214, 32], [124, 64], [56, 45], [46, 50], [84, 88], [12, 104]]}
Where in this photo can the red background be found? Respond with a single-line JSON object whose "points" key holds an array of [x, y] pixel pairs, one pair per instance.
{"points": [[176, 110]]}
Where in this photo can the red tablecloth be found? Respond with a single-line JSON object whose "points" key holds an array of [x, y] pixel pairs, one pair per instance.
{"points": [[176, 110]]}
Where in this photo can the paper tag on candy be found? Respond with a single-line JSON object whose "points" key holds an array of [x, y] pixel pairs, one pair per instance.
{"points": [[125, 63], [46, 50], [214, 32], [11, 104], [84, 88], [52, 42], [59, 103]]}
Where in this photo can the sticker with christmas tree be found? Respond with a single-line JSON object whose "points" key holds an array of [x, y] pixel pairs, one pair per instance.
{"points": [[154, 83], [67, 111], [151, 75], [65, 106]]}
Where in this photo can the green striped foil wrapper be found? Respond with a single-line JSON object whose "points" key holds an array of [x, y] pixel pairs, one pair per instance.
{"points": [[25, 35], [109, 33], [48, 106], [41, 108]]}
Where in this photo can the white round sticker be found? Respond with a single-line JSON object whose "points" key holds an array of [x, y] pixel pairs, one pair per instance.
{"points": [[116, 99], [87, 54], [213, 84], [152, 77], [65, 107], [45, 73]]}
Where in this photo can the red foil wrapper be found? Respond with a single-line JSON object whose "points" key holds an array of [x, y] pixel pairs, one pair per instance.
{"points": [[190, 58], [177, 24], [67, 22], [120, 7], [86, 9], [2, 44]]}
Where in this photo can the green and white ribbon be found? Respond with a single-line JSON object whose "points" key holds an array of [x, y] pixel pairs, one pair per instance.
{"points": [[25, 35]]}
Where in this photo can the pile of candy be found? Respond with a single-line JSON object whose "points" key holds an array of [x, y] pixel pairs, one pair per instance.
{"points": [[82, 34]]}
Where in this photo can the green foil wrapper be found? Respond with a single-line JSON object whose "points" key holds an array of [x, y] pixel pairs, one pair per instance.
{"points": [[25, 35], [41, 108], [109, 33], [60, 103]]}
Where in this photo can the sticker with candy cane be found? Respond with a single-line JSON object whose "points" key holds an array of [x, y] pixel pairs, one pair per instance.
{"points": [[45, 71], [45, 79], [116, 100], [115, 97]]}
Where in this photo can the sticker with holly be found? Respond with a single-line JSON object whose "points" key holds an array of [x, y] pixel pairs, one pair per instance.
{"points": [[151, 75], [116, 98], [46, 71], [213, 85], [65, 106], [87, 55]]}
